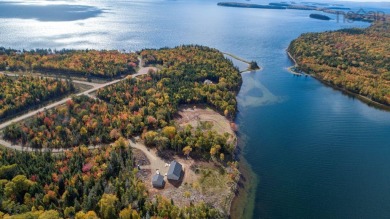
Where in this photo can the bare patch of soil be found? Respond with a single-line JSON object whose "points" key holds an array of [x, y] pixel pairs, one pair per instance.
{"points": [[201, 181], [140, 158], [206, 118]]}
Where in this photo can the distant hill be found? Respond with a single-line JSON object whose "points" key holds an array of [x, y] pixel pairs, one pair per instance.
{"points": [[245, 5]]}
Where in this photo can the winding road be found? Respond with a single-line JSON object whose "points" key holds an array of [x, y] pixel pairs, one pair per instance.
{"points": [[156, 162], [74, 81], [141, 71]]}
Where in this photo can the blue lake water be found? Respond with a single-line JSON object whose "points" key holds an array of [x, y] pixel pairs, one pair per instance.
{"points": [[316, 152]]}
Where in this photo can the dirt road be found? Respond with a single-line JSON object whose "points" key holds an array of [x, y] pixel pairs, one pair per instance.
{"points": [[141, 71]]}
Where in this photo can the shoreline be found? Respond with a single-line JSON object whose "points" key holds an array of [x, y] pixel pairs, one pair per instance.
{"points": [[290, 69], [244, 61], [236, 57], [17, 145], [345, 91], [243, 202], [224, 124], [190, 114], [292, 58], [360, 97]]}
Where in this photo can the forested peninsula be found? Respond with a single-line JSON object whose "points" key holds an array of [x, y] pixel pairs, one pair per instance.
{"points": [[181, 109], [356, 60], [312, 6]]}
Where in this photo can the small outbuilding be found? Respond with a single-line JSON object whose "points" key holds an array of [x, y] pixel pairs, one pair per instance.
{"points": [[158, 181], [175, 171], [207, 81]]}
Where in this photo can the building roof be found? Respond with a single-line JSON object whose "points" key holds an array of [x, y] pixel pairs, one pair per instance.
{"points": [[174, 171], [158, 180], [207, 81]]}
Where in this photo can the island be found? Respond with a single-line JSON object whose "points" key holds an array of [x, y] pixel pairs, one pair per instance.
{"points": [[157, 142], [281, 4], [245, 5], [253, 66], [302, 7], [312, 6], [320, 17], [250, 65], [353, 60], [337, 8]]}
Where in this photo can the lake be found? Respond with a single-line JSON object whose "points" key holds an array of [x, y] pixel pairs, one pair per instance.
{"points": [[315, 152]]}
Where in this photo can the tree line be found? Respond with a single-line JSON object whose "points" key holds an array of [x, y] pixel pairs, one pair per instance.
{"points": [[20, 93], [102, 183], [145, 106], [353, 59], [82, 183], [86, 63]]}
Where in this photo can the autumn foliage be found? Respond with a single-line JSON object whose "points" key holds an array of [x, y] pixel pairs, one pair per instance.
{"points": [[143, 106], [17, 94], [102, 182], [357, 60], [81, 183], [103, 63]]}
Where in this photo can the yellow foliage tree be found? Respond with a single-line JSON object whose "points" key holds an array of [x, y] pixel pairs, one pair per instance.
{"points": [[107, 206]]}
